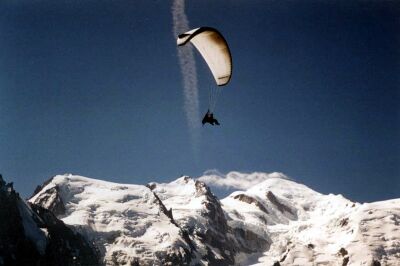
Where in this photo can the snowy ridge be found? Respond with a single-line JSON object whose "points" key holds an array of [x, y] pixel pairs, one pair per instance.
{"points": [[124, 221], [200, 214], [32, 235], [308, 228], [274, 222]]}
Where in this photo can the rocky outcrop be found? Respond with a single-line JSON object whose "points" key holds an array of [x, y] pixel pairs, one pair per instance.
{"points": [[177, 259], [206, 223], [248, 241], [63, 242], [281, 207], [15, 247], [52, 201], [278, 222], [215, 236], [251, 200], [32, 235], [40, 187], [128, 224]]}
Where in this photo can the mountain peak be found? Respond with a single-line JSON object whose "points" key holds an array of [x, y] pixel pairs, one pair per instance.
{"points": [[32, 235], [183, 222], [123, 219], [285, 188]]}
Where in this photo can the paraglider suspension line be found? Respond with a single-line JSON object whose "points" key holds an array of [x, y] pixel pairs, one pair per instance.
{"points": [[213, 98]]}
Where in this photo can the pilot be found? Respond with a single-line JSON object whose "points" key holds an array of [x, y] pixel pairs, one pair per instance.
{"points": [[209, 118]]}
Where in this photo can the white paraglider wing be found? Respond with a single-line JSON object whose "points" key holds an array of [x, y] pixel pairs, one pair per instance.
{"points": [[214, 49]]}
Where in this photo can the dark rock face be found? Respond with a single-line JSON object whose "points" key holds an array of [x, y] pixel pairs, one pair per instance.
{"points": [[375, 263], [216, 234], [343, 252], [345, 261], [214, 212], [151, 186], [344, 222], [39, 188], [52, 200], [211, 235], [176, 259], [15, 247], [281, 207], [63, 246], [250, 200], [284, 255], [65, 243], [249, 241]]}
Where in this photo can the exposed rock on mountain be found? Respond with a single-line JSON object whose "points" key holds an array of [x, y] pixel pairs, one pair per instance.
{"points": [[32, 235], [199, 212], [127, 223], [275, 222], [308, 228]]}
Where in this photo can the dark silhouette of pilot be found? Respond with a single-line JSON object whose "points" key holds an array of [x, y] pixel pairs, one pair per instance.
{"points": [[209, 118]]}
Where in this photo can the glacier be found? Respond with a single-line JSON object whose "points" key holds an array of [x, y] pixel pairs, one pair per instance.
{"points": [[272, 220]]}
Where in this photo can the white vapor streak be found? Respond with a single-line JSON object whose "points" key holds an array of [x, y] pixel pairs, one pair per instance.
{"points": [[188, 69], [237, 180]]}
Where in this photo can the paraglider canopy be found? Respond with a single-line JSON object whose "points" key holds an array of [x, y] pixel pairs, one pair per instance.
{"points": [[213, 48]]}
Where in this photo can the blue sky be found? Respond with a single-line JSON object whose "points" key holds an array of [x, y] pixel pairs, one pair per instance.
{"points": [[94, 88]]}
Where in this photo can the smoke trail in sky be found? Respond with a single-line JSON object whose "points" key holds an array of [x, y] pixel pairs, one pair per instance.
{"points": [[188, 70]]}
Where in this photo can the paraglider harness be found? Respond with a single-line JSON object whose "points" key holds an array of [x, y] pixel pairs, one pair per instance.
{"points": [[212, 102], [209, 118]]}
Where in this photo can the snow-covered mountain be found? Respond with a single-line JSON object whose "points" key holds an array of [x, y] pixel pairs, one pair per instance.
{"points": [[197, 211], [127, 223], [32, 235], [308, 228], [275, 221]]}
